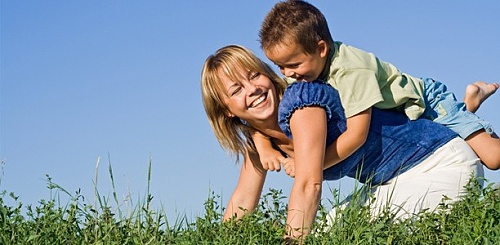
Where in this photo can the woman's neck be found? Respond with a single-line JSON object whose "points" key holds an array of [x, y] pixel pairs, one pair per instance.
{"points": [[269, 128]]}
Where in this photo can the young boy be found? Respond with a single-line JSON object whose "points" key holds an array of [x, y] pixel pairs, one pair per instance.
{"points": [[295, 36]]}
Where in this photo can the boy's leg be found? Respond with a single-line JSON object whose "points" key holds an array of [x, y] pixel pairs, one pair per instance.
{"points": [[487, 147], [478, 92], [443, 108]]}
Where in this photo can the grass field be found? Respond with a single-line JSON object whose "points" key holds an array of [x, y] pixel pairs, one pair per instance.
{"points": [[473, 220]]}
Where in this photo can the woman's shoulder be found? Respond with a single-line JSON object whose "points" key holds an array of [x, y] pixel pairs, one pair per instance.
{"points": [[299, 95], [304, 94]]}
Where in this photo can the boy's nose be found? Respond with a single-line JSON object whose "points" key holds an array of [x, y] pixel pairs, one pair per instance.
{"points": [[289, 73]]}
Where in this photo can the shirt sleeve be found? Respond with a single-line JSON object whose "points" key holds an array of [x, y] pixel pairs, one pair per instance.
{"points": [[359, 90], [305, 94]]}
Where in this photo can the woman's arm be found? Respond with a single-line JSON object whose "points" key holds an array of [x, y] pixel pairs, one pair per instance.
{"points": [[308, 127], [246, 196], [349, 141]]}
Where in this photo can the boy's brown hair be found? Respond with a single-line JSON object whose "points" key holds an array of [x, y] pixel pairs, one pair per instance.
{"points": [[294, 21]]}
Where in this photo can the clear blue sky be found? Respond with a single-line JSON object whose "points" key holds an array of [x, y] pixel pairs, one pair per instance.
{"points": [[83, 80]]}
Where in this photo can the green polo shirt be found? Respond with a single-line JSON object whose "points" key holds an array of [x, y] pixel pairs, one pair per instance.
{"points": [[363, 81]]}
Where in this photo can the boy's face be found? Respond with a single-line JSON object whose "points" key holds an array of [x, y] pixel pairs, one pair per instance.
{"points": [[294, 62]]}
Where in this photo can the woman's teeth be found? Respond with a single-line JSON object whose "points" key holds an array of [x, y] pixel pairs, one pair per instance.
{"points": [[258, 101]]}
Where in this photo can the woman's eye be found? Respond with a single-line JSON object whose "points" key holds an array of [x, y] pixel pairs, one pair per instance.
{"points": [[235, 91], [254, 75]]}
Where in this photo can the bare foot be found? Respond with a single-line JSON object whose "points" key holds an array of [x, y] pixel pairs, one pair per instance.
{"points": [[478, 92]]}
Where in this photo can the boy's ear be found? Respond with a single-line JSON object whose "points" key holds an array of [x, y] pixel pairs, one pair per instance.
{"points": [[322, 48]]}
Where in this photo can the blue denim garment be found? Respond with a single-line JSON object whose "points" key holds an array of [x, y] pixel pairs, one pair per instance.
{"points": [[303, 94], [394, 144], [443, 107]]}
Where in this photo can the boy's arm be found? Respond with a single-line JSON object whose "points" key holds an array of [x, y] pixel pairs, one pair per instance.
{"points": [[349, 141], [269, 157]]}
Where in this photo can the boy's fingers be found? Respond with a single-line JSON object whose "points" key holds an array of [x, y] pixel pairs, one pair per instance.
{"points": [[277, 166], [274, 166], [265, 166]]}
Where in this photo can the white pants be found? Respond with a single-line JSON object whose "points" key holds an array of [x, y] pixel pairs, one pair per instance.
{"points": [[445, 172]]}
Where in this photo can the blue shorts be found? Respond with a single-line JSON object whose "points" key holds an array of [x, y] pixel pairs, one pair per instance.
{"points": [[442, 107]]}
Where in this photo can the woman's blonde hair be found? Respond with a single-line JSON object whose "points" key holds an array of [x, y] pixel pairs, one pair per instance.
{"points": [[232, 133]]}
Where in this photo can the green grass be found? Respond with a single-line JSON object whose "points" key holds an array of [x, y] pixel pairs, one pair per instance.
{"points": [[473, 220]]}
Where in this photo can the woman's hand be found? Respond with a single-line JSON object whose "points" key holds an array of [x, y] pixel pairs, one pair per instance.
{"points": [[288, 165]]}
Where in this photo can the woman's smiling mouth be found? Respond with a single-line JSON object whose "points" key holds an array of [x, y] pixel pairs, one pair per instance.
{"points": [[259, 100]]}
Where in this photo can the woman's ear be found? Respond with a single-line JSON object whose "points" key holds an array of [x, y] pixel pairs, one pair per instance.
{"points": [[322, 48], [229, 114]]}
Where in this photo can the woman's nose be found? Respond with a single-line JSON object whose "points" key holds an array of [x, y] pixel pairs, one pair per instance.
{"points": [[252, 88]]}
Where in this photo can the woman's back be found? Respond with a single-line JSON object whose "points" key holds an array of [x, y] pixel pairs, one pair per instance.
{"points": [[394, 143]]}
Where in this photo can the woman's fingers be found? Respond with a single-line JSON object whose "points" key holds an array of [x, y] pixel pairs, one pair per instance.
{"points": [[289, 166]]}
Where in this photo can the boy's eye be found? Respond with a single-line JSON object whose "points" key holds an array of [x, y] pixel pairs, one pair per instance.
{"points": [[292, 66]]}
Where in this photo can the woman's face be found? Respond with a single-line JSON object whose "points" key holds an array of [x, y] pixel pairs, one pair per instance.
{"points": [[252, 99]]}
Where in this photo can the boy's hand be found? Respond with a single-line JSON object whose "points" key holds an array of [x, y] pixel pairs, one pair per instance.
{"points": [[271, 160], [289, 166]]}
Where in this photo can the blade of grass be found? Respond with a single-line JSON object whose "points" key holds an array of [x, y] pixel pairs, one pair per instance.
{"points": [[110, 169], [148, 193]]}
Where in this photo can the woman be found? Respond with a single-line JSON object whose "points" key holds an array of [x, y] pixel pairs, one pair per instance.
{"points": [[241, 94]]}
